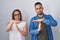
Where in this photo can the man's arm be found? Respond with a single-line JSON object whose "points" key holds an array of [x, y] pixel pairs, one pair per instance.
{"points": [[50, 21], [31, 30]]}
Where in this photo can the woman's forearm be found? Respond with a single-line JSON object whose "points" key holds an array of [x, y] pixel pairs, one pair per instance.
{"points": [[9, 26], [23, 33]]}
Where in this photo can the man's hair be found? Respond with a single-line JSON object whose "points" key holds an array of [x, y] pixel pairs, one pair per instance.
{"points": [[38, 3]]}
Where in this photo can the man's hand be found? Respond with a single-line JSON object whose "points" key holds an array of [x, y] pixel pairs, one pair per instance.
{"points": [[39, 26], [38, 20]]}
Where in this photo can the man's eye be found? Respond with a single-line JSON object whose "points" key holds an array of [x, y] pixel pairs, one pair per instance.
{"points": [[40, 7], [36, 8]]}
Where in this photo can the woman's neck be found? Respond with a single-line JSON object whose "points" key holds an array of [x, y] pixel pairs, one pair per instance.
{"points": [[17, 20]]}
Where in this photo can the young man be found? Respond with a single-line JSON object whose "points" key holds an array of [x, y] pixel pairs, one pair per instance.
{"points": [[40, 25]]}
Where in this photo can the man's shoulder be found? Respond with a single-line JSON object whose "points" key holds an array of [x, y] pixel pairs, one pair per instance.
{"points": [[47, 15], [35, 17]]}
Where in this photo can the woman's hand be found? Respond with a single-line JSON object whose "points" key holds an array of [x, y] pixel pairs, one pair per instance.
{"points": [[14, 21], [18, 29], [9, 26], [24, 31]]}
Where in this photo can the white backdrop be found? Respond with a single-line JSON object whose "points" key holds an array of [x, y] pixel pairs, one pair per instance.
{"points": [[27, 9]]}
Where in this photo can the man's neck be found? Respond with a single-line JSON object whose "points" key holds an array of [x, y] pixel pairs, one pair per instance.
{"points": [[40, 16]]}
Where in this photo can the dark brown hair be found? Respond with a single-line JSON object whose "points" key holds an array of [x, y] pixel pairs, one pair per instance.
{"points": [[38, 3], [19, 14]]}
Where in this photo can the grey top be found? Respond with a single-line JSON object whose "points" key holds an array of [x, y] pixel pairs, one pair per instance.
{"points": [[43, 35]]}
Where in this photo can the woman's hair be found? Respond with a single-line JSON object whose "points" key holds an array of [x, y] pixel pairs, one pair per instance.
{"points": [[19, 14]]}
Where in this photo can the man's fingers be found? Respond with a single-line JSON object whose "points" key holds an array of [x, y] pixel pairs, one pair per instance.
{"points": [[36, 20]]}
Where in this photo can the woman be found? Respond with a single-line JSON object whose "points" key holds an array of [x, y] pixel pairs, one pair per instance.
{"points": [[17, 28]]}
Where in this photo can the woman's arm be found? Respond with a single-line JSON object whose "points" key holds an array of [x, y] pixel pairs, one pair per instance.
{"points": [[9, 26], [25, 30]]}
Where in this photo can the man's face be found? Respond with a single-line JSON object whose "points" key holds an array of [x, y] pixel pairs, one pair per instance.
{"points": [[39, 9]]}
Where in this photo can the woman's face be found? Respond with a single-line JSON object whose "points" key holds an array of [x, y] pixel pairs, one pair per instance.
{"points": [[16, 15]]}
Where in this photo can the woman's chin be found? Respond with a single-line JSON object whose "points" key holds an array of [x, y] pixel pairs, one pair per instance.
{"points": [[17, 19]]}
